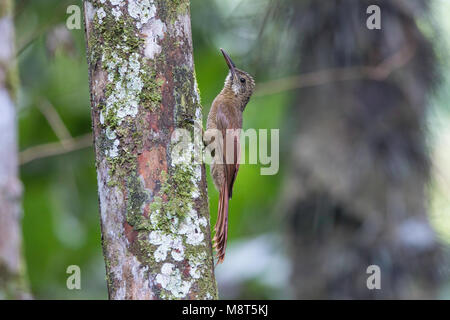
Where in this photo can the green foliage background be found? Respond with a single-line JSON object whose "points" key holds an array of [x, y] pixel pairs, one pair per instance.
{"points": [[61, 220]]}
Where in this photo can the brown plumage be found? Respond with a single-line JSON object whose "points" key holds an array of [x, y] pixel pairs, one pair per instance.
{"points": [[225, 114]]}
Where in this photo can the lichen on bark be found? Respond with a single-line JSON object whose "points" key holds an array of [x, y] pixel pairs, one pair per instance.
{"points": [[154, 210]]}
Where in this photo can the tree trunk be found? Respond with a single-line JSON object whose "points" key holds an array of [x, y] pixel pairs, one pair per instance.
{"points": [[12, 280], [153, 207], [356, 196]]}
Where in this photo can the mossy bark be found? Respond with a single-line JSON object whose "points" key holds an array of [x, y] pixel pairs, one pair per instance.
{"points": [[154, 209], [12, 279]]}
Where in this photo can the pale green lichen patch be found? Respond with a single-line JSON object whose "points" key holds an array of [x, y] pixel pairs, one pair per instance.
{"points": [[185, 238], [131, 82], [154, 32], [141, 11], [125, 83], [176, 235]]}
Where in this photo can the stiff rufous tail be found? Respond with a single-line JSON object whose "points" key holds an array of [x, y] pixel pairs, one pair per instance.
{"points": [[221, 228]]}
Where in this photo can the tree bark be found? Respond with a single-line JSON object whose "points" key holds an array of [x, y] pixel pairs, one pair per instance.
{"points": [[356, 193], [153, 207], [12, 280]]}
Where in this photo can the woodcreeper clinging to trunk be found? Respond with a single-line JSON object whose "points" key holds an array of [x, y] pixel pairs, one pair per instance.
{"points": [[225, 116]]}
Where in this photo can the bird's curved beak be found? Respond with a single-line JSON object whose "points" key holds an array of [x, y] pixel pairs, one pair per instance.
{"points": [[228, 60]]}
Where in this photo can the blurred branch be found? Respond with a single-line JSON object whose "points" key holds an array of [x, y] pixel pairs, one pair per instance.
{"points": [[378, 72], [55, 148], [65, 144], [55, 121]]}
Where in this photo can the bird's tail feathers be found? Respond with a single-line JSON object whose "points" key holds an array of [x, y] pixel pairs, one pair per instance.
{"points": [[221, 228]]}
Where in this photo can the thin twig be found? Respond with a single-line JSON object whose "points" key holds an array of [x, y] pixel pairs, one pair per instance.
{"points": [[55, 148], [54, 120], [378, 72]]}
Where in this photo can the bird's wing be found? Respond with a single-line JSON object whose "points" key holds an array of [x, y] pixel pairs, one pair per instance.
{"points": [[232, 165]]}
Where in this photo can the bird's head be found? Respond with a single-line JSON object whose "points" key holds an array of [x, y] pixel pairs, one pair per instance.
{"points": [[238, 83]]}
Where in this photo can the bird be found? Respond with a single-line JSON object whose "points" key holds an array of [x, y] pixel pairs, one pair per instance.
{"points": [[225, 116]]}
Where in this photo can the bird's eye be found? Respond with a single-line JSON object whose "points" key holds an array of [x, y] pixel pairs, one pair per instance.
{"points": [[242, 80]]}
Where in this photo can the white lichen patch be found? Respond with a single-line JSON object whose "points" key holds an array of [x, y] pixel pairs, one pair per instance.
{"points": [[113, 152], [126, 76], [119, 3], [154, 218], [117, 13], [182, 154], [142, 11], [195, 193], [183, 26], [170, 279], [100, 15], [154, 32], [184, 161], [195, 264], [196, 100], [195, 179], [191, 228], [166, 243], [110, 134], [183, 232]]}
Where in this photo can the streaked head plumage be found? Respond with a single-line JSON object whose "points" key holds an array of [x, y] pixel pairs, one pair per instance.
{"points": [[238, 81]]}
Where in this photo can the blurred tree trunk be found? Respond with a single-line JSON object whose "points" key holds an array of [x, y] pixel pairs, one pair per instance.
{"points": [[356, 195], [153, 207], [12, 275]]}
